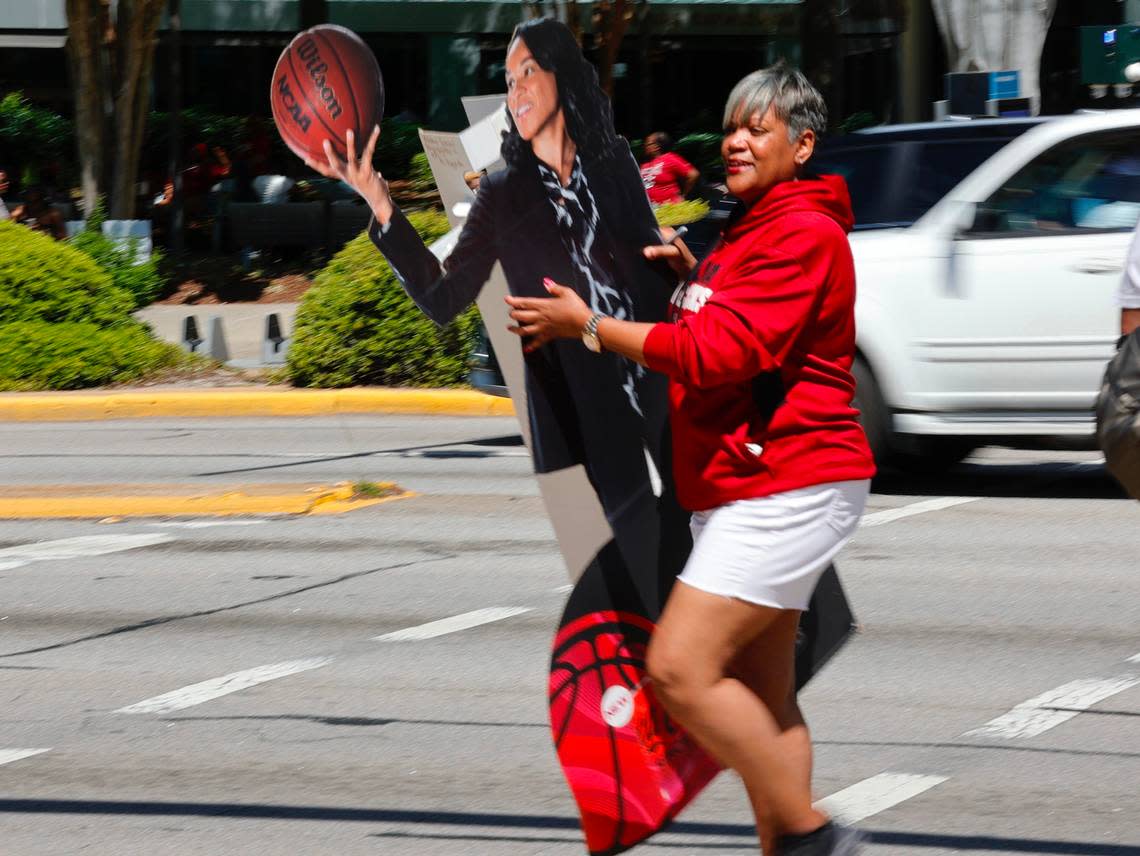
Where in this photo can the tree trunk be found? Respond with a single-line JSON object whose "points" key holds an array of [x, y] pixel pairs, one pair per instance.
{"points": [[86, 28], [137, 27], [111, 63]]}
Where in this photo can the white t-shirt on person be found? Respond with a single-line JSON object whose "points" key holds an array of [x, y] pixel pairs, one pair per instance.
{"points": [[1128, 295], [4, 215]]}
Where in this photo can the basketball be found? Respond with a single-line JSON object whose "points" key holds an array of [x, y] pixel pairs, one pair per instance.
{"points": [[326, 82]]}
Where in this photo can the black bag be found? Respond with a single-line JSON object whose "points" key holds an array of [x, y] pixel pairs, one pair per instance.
{"points": [[1118, 414]]}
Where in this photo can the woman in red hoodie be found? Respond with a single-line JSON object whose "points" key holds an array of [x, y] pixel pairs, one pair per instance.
{"points": [[768, 452]]}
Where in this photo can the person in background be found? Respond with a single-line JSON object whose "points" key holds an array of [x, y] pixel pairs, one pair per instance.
{"points": [[36, 214], [4, 214], [1128, 295], [668, 177]]}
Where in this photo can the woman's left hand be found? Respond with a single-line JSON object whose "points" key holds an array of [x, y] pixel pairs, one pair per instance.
{"points": [[563, 315]]}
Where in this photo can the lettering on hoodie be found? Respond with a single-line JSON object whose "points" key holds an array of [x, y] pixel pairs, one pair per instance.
{"points": [[692, 295]]}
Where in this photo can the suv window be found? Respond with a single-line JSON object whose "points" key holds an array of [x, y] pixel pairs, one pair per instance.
{"points": [[1090, 183], [897, 181]]}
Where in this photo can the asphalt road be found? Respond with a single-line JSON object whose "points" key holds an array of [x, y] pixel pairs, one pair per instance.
{"points": [[988, 706]]}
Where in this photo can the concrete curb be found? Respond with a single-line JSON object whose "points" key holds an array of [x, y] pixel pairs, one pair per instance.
{"points": [[141, 500], [244, 401]]}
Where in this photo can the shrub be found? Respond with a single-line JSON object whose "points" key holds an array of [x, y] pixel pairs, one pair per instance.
{"points": [[357, 326], [141, 280], [42, 279], [679, 213], [39, 355]]}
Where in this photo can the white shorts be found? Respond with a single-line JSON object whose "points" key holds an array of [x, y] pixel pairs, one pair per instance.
{"points": [[771, 550]]}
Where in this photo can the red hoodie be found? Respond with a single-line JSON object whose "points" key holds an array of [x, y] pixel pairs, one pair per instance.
{"points": [[759, 353]]}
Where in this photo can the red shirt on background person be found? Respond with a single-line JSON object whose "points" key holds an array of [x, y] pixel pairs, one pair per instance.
{"points": [[668, 177]]}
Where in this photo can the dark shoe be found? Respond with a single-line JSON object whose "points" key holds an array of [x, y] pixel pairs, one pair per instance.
{"points": [[831, 839]]}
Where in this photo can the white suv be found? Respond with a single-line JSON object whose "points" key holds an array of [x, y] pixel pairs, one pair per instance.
{"points": [[990, 317]]}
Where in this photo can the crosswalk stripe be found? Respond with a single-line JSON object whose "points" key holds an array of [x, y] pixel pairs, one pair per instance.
{"points": [[453, 624], [218, 687], [7, 756], [1050, 709], [876, 794], [887, 515], [77, 548]]}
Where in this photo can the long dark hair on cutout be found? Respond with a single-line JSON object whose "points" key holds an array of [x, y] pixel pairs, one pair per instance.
{"points": [[589, 115]]}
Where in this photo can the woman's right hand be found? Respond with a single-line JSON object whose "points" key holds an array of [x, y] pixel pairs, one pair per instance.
{"points": [[674, 251], [360, 175]]}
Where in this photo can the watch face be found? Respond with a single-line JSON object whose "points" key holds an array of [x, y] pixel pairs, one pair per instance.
{"points": [[592, 342]]}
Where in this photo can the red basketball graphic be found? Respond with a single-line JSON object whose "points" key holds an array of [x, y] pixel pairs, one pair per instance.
{"points": [[630, 768], [326, 82]]}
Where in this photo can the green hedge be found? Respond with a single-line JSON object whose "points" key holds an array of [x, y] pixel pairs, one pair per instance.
{"points": [[38, 355], [63, 322], [42, 279], [357, 326]]}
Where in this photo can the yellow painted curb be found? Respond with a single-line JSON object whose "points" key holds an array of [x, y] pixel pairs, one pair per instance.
{"points": [[241, 401], [341, 506], [63, 501]]}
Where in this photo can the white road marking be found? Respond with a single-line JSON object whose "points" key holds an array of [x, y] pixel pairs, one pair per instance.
{"points": [[203, 524], [1134, 659], [450, 625], [217, 687], [7, 756], [876, 794], [77, 548], [1050, 709], [568, 589], [878, 518]]}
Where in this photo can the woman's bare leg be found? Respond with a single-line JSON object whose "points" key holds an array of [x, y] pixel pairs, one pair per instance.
{"points": [[773, 681], [694, 646]]}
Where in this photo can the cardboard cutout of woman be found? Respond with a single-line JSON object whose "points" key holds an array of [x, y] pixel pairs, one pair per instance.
{"points": [[571, 206]]}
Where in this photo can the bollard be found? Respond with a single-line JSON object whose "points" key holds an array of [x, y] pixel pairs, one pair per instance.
{"points": [[191, 339], [276, 343]]}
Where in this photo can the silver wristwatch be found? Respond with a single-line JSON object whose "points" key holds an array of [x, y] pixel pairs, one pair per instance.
{"points": [[590, 334]]}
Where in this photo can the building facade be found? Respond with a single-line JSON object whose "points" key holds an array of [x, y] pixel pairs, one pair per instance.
{"points": [[677, 62]]}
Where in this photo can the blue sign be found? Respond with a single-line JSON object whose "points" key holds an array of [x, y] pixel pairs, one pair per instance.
{"points": [[1005, 84]]}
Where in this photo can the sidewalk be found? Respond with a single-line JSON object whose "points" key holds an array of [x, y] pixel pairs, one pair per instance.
{"points": [[243, 325], [244, 401]]}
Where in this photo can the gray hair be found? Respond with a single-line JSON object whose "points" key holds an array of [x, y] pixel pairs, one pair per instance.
{"points": [[795, 101]]}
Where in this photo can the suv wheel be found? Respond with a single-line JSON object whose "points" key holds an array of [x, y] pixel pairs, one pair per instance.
{"points": [[873, 413]]}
